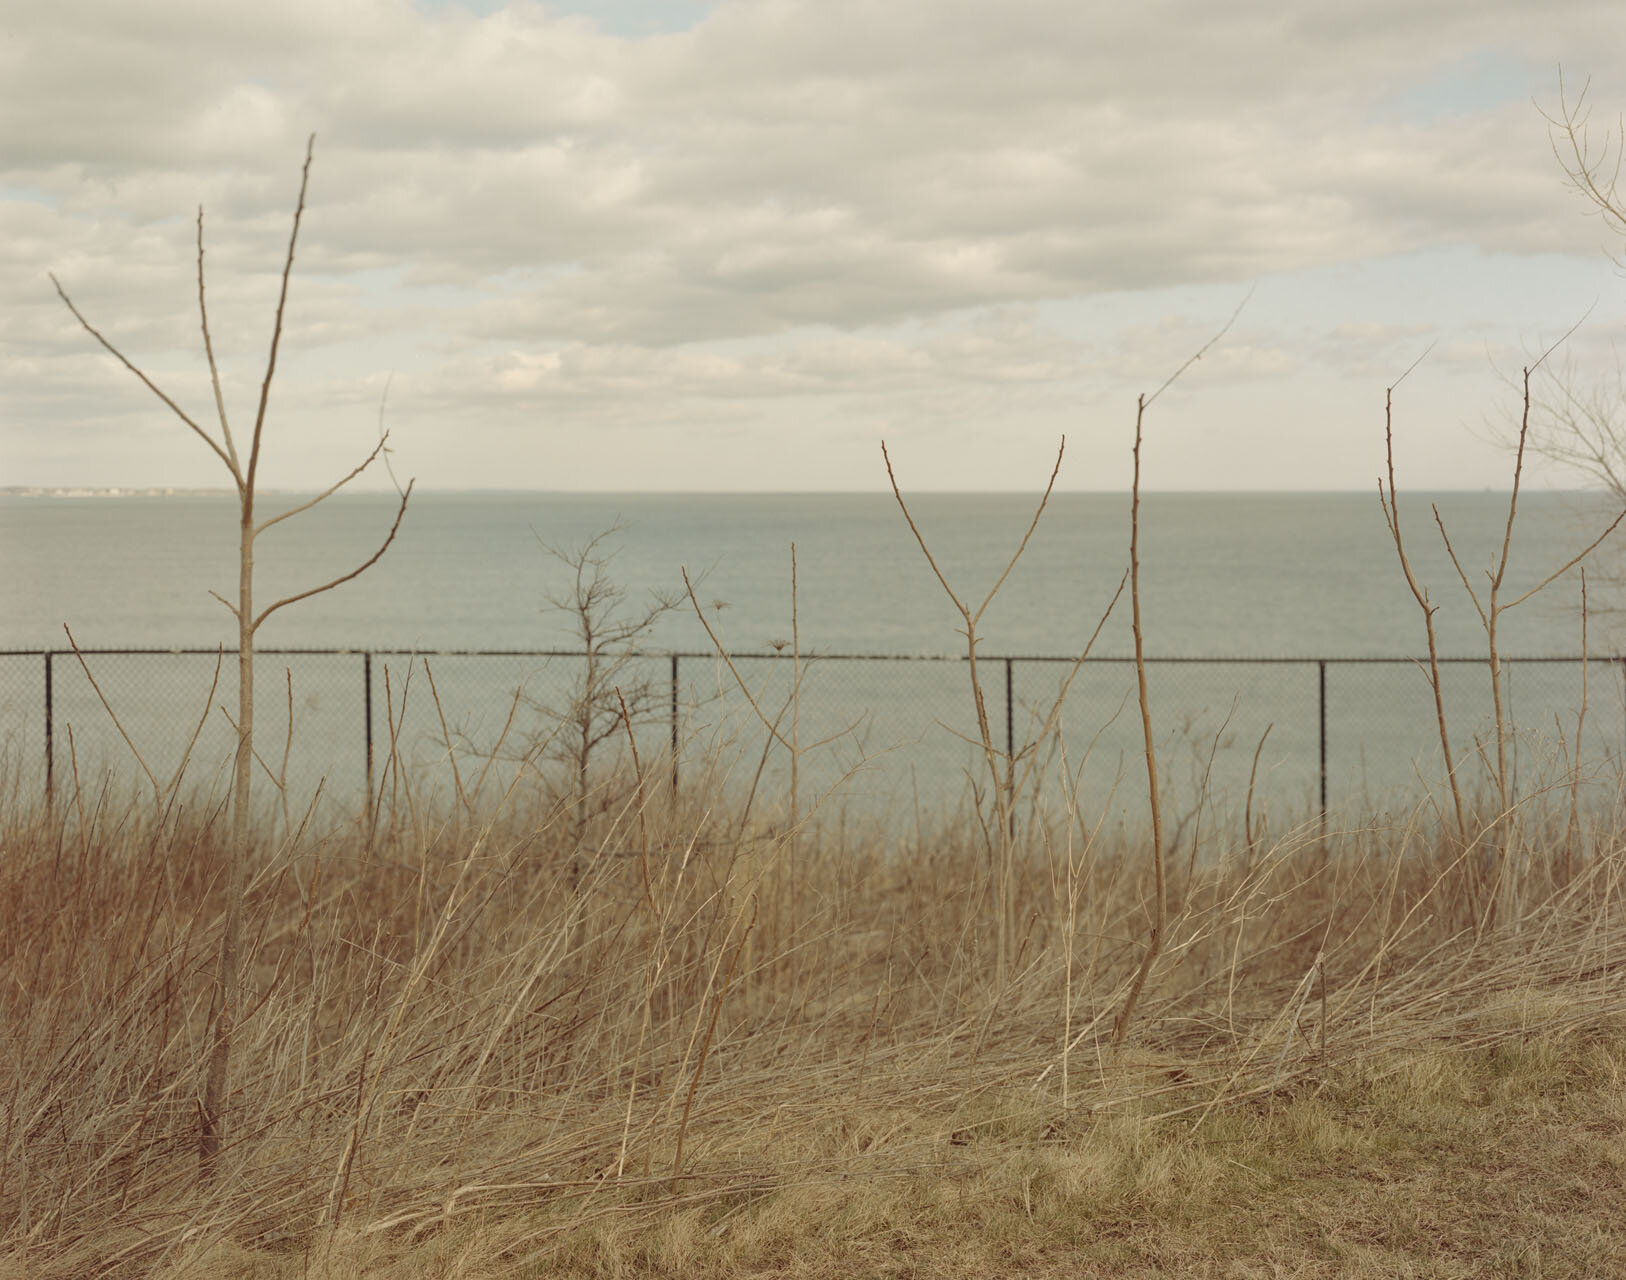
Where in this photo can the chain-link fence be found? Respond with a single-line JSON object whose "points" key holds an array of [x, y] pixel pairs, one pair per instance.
{"points": [[880, 737]]}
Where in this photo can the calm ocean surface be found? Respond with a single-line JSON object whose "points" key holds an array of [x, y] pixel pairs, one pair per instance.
{"points": [[1233, 575]]}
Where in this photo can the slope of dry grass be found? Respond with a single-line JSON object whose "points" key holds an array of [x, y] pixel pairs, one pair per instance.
{"points": [[1504, 1160], [473, 1051]]}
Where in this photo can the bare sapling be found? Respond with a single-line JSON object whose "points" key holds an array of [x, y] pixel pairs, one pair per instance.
{"points": [[610, 635], [1390, 502], [1011, 771], [1002, 848], [1492, 606], [226, 999], [1160, 896]]}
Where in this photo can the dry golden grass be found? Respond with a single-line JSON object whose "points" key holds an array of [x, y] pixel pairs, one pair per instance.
{"points": [[464, 1055]]}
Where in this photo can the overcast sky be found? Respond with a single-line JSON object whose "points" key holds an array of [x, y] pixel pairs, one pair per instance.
{"points": [[676, 244]]}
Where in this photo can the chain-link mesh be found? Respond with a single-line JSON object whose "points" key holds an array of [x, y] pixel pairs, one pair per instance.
{"points": [[880, 738], [22, 723], [1383, 728], [1211, 718]]}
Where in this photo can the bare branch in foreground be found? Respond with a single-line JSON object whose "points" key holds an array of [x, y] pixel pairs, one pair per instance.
{"points": [[1146, 402], [145, 380], [1456, 564], [1559, 573], [344, 578], [112, 715], [330, 490], [723, 654], [214, 368], [276, 329], [914, 529], [1026, 537]]}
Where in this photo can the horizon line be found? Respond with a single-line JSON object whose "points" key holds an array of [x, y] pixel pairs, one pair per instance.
{"points": [[165, 490]]}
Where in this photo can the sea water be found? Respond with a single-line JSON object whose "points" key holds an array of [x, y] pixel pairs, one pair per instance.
{"points": [[1305, 576]]}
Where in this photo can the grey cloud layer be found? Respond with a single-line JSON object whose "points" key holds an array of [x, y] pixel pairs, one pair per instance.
{"points": [[588, 206]]}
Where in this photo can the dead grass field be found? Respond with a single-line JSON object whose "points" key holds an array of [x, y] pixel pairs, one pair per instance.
{"points": [[1507, 1161], [468, 1052]]}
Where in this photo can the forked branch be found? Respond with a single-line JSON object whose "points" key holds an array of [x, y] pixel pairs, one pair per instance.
{"points": [[1002, 856], [227, 992], [343, 578], [973, 618]]}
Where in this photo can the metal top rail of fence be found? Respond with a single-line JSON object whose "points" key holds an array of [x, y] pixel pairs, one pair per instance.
{"points": [[1003, 668], [807, 655]]}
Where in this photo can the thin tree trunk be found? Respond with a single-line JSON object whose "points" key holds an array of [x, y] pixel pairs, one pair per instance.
{"points": [[228, 981], [1160, 905], [226, 997]]}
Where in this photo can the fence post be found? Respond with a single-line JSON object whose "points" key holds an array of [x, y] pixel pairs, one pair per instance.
{"points": [[367, 714], [674, 725], [1321, 702], [1010, 710], [50, 739]]}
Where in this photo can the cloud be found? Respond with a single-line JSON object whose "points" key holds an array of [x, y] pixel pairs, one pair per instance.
{"points": [[791, 197], [1000, 348]]}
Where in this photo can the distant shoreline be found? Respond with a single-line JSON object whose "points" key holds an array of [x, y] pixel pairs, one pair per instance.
{"points": [[87, 491]]}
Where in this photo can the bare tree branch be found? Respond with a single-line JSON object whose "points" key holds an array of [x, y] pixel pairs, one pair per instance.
{"points": [[214, 369], [192, 742], [723, 654], [1156, 935], [914, 529], [1558, 573], [1201, 352], [1026, 537], [276, 333], [1594, 176], [343, 578], [1457, 564], [113, 715], [330, 490], [1054, 717], [1518, 458], [213, 1106], [1391, 516], [145, 380]]}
